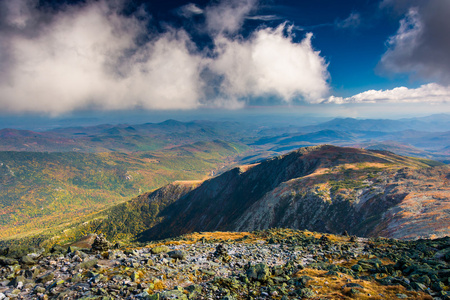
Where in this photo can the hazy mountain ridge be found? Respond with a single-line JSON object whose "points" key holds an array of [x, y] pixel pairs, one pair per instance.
{"points": [[429, 135], [122, 137], [437, 123], [431, 145]]}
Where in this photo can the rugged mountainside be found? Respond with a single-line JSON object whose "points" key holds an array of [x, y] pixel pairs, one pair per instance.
{"points": [[368, 193], [322, 188]]}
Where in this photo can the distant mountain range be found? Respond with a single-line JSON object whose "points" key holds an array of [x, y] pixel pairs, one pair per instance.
{"points": [[427, 137], [440, 122], [122, 137]]}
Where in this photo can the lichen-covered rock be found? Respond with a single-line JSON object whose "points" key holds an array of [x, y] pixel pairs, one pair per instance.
{"points": [[88, 264], [306, 293], [7, 261], [58, 249], [177, 254], [19, 280], [357, 268], [259, 272], [27, 260], [46, 277], [194, 291], [159, 249], [220, 251], [173, 294]]}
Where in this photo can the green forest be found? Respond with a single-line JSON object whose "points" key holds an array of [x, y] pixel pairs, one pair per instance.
{"points": [[41, 190]]}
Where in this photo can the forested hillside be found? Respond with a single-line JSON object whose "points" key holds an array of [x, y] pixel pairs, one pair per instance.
{"points": [[42, 190]]}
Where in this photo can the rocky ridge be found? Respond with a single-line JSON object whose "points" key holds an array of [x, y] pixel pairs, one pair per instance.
{"points": [[322, 188], [270, 264]]}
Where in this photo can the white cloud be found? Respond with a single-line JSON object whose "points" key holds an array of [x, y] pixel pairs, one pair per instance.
{"points": [[352, 21], [190, 10], [228, 16], [264, 17], [431, 93], [63, 67], [18, 13], [165, 75], [74, 64], [87, 56], [270, 63], [398, 56]]}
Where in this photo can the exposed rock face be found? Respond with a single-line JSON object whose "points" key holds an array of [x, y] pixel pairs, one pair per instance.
{"points": [[323, 188], [396, 203]]}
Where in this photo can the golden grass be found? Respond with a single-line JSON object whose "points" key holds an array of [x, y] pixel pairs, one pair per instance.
{"points": [[333, 238], [188, 182], [159, 285], [220, 235], [245, 168], [332, 287]]}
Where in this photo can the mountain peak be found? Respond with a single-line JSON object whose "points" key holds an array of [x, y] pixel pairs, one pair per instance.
{"points": [[171, 122]]}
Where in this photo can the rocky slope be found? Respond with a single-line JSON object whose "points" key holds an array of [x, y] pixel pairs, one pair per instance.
{"points": [[322, 188], [272, 264]]}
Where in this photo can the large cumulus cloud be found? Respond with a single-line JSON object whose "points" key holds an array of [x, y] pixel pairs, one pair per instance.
{"points": [[92, 56], [88, 57], [270, 63]]}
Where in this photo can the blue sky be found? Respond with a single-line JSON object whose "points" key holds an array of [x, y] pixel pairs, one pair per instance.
{"points": [[355, 58]]}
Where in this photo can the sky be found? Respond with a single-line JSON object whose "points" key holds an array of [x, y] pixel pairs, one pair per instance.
{"points": [[357, 58]]}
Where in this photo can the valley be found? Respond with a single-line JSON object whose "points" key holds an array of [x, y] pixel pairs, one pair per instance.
{"points": [[41, 190]]}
